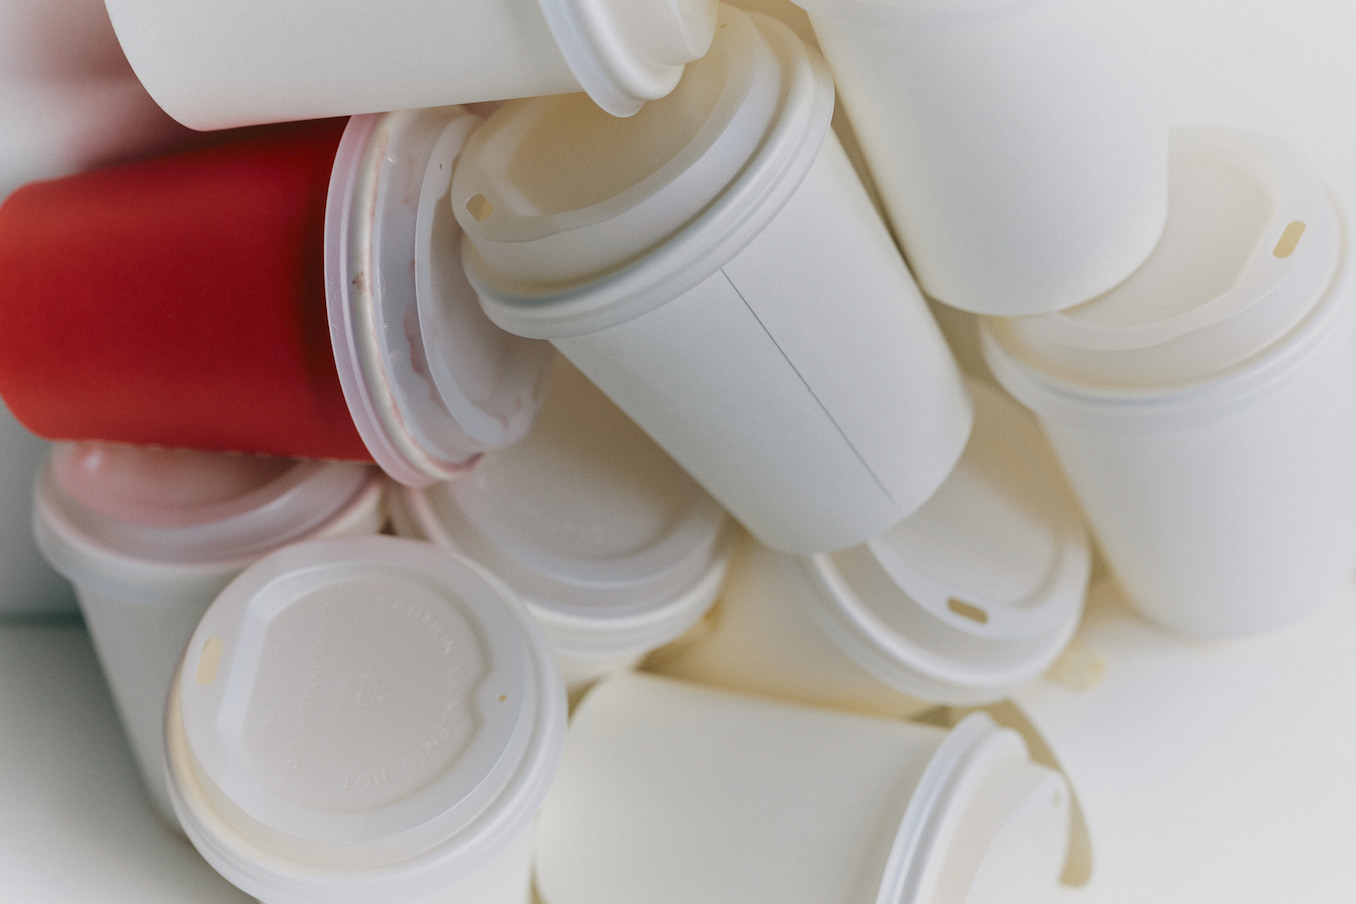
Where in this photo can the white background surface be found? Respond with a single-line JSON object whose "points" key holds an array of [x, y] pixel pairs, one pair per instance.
{"points": [[73, 824]]}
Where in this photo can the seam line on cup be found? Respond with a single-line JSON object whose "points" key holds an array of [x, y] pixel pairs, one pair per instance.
{"points": [[885, 491]]}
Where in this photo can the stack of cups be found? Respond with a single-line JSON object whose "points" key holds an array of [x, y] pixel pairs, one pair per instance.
{"points": [[149, 537], [365, 719], [614, 548], [715, 266], [669, 792], [965, 600], [1205, 409]]}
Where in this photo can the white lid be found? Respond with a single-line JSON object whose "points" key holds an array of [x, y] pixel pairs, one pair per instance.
{"points": [[430, 382], [361, 719], [576, 221], [625, 52], [1251, 243], [984, 826], [107, 509], [610, 543], [979, 590]]}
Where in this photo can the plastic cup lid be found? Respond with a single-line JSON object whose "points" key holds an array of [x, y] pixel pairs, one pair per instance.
{"points": [[979, 590], [430, 382], [187, 507], [609, 542], [625, 52], [361, 719], [575, 221], [1252, 242], [985, 825]]}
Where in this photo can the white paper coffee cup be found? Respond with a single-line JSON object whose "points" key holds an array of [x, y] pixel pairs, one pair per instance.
{"points": [[365, 719], [967, 599], [1020, 146], [674, 793], [150, 536], [1205, 410], [613, 547], [716, 267], [243, 63]]}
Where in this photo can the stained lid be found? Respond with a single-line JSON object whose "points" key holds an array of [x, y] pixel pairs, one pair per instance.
{"points": [[361, 719], [575, 220], [180, 506], [430, 382], [977, 591], [606, 538], [1251, 243]]}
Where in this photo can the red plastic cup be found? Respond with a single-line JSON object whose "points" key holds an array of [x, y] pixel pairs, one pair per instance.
{"points": [[182, 301]]}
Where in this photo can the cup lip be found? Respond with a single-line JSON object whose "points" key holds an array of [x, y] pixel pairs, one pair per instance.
{"points": [[951, 781], [614, 75], [411, 863], [711, 240], [329, 494], [378, 307]]}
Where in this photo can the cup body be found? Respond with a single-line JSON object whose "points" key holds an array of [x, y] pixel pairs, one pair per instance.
{"points": [[365, 719], [1020, 147], [677, 787], [229, 64], [1205, 412], [767, 334], [102, 518], [965, 600]]}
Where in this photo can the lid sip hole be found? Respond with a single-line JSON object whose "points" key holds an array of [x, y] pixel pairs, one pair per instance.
{"points": [[1290, 237], [479, 207], [966, 610]]}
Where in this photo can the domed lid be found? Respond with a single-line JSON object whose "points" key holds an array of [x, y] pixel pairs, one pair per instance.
{"points": [[575, 220], [180, 506], [603, 535], [361, 719], [977, 591], [1251, 243], [430, 382]]}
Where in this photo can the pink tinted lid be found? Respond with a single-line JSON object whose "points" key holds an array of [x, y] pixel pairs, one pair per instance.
{"points": [[181, 506]]}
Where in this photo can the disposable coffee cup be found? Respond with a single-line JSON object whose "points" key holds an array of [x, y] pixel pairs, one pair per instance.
{"points": [[232, 64], [365, 719], [966, 600], [715, 266], [1167, 742], [1205, 410], [150, 536], [614, 549], [675, 794], [1019, 146], [257, 296]]}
